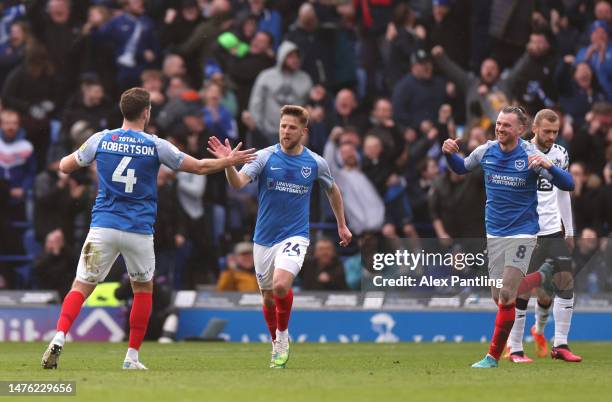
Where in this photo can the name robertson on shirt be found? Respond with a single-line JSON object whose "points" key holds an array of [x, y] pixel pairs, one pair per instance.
{"points": [[127, 148], [287, 187], [504, 180]]}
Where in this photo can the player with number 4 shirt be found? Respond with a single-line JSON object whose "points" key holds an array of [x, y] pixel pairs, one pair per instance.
{"points": [[127, 163]]}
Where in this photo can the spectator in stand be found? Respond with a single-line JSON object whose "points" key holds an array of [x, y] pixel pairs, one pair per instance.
{"points": [[599, 55], [283, 84], [153, 82], [419, 95], [584, 197], [17, 164], [54, 266], [534, 86], [485, 95], [403, 38], [578, 89], [58, 199], [12, 51], [135, 42], [89, 104], [383, 126], [589, 266], [324, 270], [219, 122], [57, 24], [243, 71], [180, 22], [316, 44], [448, 27], [346, 111], [267, 20], [180, 100], [239, 276], [203, 39], [32, 90], [364, 208], [604, 212], [9, 14], [589, 143]]}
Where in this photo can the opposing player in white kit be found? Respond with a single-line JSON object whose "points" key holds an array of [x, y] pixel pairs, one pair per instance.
{"points": [[127, 162], [554, 208], [286, 173]]}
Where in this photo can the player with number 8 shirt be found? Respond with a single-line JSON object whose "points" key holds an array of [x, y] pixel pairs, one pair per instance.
{"points": [[511, 168], [127, 163]]}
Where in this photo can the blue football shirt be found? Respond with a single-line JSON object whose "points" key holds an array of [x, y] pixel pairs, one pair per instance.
{"points": [[511, 188], [284, 187], [127, 163]]}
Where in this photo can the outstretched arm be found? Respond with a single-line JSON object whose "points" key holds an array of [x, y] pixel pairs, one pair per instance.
{"points": [[235, 178], [69, 163], [208, 166], [335, 200]]}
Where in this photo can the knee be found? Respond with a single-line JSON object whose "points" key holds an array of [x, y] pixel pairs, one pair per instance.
{"points": [[506, 296], [280, 289]]}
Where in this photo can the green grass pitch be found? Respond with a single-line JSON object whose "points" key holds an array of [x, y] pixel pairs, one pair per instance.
{"points": [[315, 372]]}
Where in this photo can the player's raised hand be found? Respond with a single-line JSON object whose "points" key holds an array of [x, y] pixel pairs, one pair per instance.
{"points": [[238, 157], [345, 235], [538, 161], [218, 149], [451, 146]]}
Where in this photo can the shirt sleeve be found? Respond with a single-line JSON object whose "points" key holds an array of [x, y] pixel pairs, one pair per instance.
{"points": [[325, 177], [253, 169], [168, 154], [472, 161], [86, 153]]}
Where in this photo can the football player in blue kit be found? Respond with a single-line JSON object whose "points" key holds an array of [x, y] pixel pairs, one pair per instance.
{"points": [[511, 167], [286, 173], [127, 162]]}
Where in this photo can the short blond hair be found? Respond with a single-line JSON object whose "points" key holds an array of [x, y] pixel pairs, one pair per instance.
{"points": [[296, 111], [545, 114]]}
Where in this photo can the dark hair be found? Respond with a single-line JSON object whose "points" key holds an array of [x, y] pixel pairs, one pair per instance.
{"points": [[133, 102], [519, 112], [296, 111]]}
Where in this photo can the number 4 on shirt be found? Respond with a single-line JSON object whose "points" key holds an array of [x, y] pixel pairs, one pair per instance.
{"points": [[129, 179]]}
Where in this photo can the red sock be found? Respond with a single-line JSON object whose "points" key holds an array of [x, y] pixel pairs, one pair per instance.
{"points": [[283, 310], [139, 318], [270, 316], [529, 282], [70, 310], [503, 324]]}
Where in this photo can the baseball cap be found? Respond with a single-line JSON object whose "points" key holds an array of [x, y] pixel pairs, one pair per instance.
{"points": [[420, 56], [243, 247], [599, 24]]}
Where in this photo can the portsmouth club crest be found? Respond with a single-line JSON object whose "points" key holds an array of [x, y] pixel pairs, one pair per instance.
{"points": [[520, 164], [306, 171]]}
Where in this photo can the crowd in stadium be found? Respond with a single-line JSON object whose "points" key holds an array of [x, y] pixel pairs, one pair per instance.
{"points": [[385, 83]]}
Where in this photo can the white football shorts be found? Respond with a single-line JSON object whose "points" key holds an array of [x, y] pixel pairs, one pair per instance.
{"points": [[287, 255], [103, 246], [512, 251]]}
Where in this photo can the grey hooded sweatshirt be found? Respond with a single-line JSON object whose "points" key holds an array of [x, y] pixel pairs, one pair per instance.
{"points": [[274, 88]]}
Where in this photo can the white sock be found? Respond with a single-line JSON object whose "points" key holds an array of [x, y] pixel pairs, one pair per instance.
{"points": [[282, 335], [541, 317], [132, 354], [515, 340], [562, 311], [59, 338]]}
